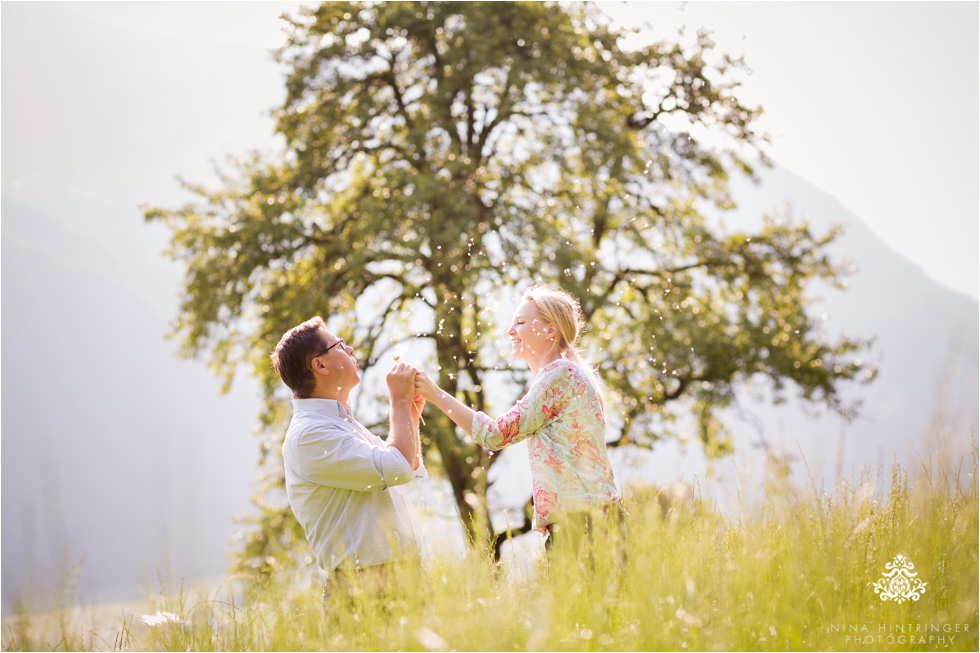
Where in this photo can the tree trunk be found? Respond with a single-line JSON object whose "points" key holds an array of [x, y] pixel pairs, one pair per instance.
{"points": [[464, 463]]}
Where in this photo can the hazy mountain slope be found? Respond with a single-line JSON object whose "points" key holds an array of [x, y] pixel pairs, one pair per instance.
{"points": [[926, 335], [924, 400], [114, 451]]}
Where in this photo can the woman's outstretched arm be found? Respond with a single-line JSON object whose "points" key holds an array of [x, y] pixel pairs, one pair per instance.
{"points": [[544, 402], [454, 409]]}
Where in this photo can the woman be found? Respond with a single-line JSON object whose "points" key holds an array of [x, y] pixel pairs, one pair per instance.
{"points": [[562, 416]]}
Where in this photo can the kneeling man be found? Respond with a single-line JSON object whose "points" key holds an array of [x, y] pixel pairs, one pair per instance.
{"points": [[341, 479]]}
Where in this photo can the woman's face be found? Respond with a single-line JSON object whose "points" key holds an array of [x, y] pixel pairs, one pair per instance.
{"points": [[530, 336]]}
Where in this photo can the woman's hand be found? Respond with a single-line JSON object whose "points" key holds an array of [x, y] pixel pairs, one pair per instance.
{"points": [[460, 414], [426, 387]]}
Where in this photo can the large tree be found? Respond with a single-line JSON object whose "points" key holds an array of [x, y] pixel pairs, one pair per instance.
{"points": [[439, 154]]}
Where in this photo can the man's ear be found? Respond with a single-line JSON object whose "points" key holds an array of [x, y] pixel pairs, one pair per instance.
{"points": [[319, 367]]}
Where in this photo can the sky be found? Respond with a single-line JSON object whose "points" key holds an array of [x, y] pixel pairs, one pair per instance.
{"points": [[875, 103]]}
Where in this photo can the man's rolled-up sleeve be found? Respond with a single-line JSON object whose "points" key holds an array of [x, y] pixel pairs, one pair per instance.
{"points": [[394, 467], [340, 459]]}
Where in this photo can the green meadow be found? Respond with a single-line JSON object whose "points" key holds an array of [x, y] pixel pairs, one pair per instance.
{"points": [[797, 573]]}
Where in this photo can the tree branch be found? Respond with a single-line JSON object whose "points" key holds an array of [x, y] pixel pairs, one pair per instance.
{"points": [[503, 111], [444, 99]]}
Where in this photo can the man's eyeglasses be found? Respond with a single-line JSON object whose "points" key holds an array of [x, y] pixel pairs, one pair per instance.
{"points": [[339, 342]]}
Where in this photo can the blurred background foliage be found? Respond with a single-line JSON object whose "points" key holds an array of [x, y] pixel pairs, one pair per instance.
{"points": [[438, 155]]}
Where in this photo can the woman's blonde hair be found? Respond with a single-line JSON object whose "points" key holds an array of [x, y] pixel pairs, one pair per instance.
{"points": [[556, 305]]}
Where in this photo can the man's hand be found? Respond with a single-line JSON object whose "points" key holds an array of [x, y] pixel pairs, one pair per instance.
{"points": [[401, 381], [403, 431]]}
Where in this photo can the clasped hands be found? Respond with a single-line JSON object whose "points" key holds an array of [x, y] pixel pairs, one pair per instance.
{"points": [[405, 380]]}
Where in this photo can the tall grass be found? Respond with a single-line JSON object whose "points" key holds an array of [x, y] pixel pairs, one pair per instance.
{"points": [[796, 574]]}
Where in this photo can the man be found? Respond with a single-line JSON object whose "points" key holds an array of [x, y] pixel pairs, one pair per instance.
{"points": [[342, 480]]}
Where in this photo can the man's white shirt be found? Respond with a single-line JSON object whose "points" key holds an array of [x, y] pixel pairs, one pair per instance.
{"points": [[342, 484]]}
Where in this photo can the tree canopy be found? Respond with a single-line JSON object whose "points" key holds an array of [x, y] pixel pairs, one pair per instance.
{"points": [[439, 154]]}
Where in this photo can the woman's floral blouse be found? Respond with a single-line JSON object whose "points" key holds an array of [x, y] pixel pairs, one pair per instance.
{"points": [[561, 418]]}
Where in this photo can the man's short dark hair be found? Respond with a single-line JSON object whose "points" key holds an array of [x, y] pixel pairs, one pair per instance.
{"points": [[294, 354]]}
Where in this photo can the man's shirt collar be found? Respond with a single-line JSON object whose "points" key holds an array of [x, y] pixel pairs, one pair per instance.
{"points": [[329, 406]]}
